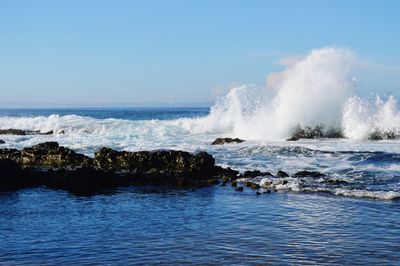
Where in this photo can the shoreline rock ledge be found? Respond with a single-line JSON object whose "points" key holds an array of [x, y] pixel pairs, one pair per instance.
{"points": [[221, 141], [51, 165]]}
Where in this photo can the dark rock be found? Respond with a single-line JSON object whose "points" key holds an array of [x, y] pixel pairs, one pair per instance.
{"points": [[234, 184], [335, 182], [85, 180], [59, 167], [314, 133], [284, 182], [308, 174], [13, 177], [225, 179], [252, 174], [382, 136], [255, 186], [226, 173], [22, 132], [51, 155], [11, 154], [2, 141], [221, 141], [177, 163], [240, 189], [258, 193], [248, 183], [281, 174], [375, 136]]}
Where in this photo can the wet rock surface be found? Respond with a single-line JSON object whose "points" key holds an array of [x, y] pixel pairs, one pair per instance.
{"points": [[383, 135], [22, 132], [308, 174], [54, 166], [2, 141], [221, 141], [51, 155], [59, 167], [314, 133], [13, 176], [252, 174], [281, 173]]}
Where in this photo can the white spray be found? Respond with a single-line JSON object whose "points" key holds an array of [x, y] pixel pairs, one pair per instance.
{"points": [[315, 91], [311, 92]]}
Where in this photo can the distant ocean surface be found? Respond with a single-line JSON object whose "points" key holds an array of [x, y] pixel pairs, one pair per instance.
{"points": [[307, 222]]}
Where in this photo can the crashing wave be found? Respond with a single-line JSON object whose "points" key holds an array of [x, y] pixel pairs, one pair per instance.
{"points": [[310, 99], [313, 98]]}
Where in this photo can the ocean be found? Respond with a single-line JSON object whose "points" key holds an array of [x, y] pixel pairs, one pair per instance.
{"points": [[308, 221]]}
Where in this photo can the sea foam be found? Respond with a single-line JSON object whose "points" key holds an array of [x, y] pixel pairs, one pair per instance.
{"points": [[317, 91]]}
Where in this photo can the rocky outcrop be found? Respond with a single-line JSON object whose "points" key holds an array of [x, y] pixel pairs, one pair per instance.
{"points": [[252, 174], [308, 174], [46, 155], [282, 174], [169, 167], [314, 133], [51, 155], [383, 135], [59, 167], [335, 182], [22, 132], [227, 174], [51, 165], [13, 176], [221, 141]]}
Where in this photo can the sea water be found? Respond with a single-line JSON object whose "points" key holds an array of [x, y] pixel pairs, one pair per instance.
{"points": [[356, 223], [348, 216]]}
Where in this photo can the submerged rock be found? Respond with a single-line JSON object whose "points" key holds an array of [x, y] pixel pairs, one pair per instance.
{"points": [[240, 189], [226, 173], [2, 141], [252, 174], [22, 132], [335, 182], [282, 174], [308, 174], [255, 186], [221, 141]]}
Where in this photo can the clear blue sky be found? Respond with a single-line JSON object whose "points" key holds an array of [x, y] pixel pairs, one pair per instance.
{"points": [[162, 52]]}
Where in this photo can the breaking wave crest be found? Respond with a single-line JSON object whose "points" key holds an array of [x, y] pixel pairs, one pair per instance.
{"points": [[314, 97], [316, 94]]}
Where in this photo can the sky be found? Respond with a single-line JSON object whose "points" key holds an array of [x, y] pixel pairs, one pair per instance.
{"points": [[155, 53]]}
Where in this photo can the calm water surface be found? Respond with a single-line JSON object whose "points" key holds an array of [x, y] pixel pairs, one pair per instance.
{"points": [[203, 227]]}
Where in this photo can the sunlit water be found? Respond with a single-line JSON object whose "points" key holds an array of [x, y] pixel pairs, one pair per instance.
{"points": [[208, 226]]}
